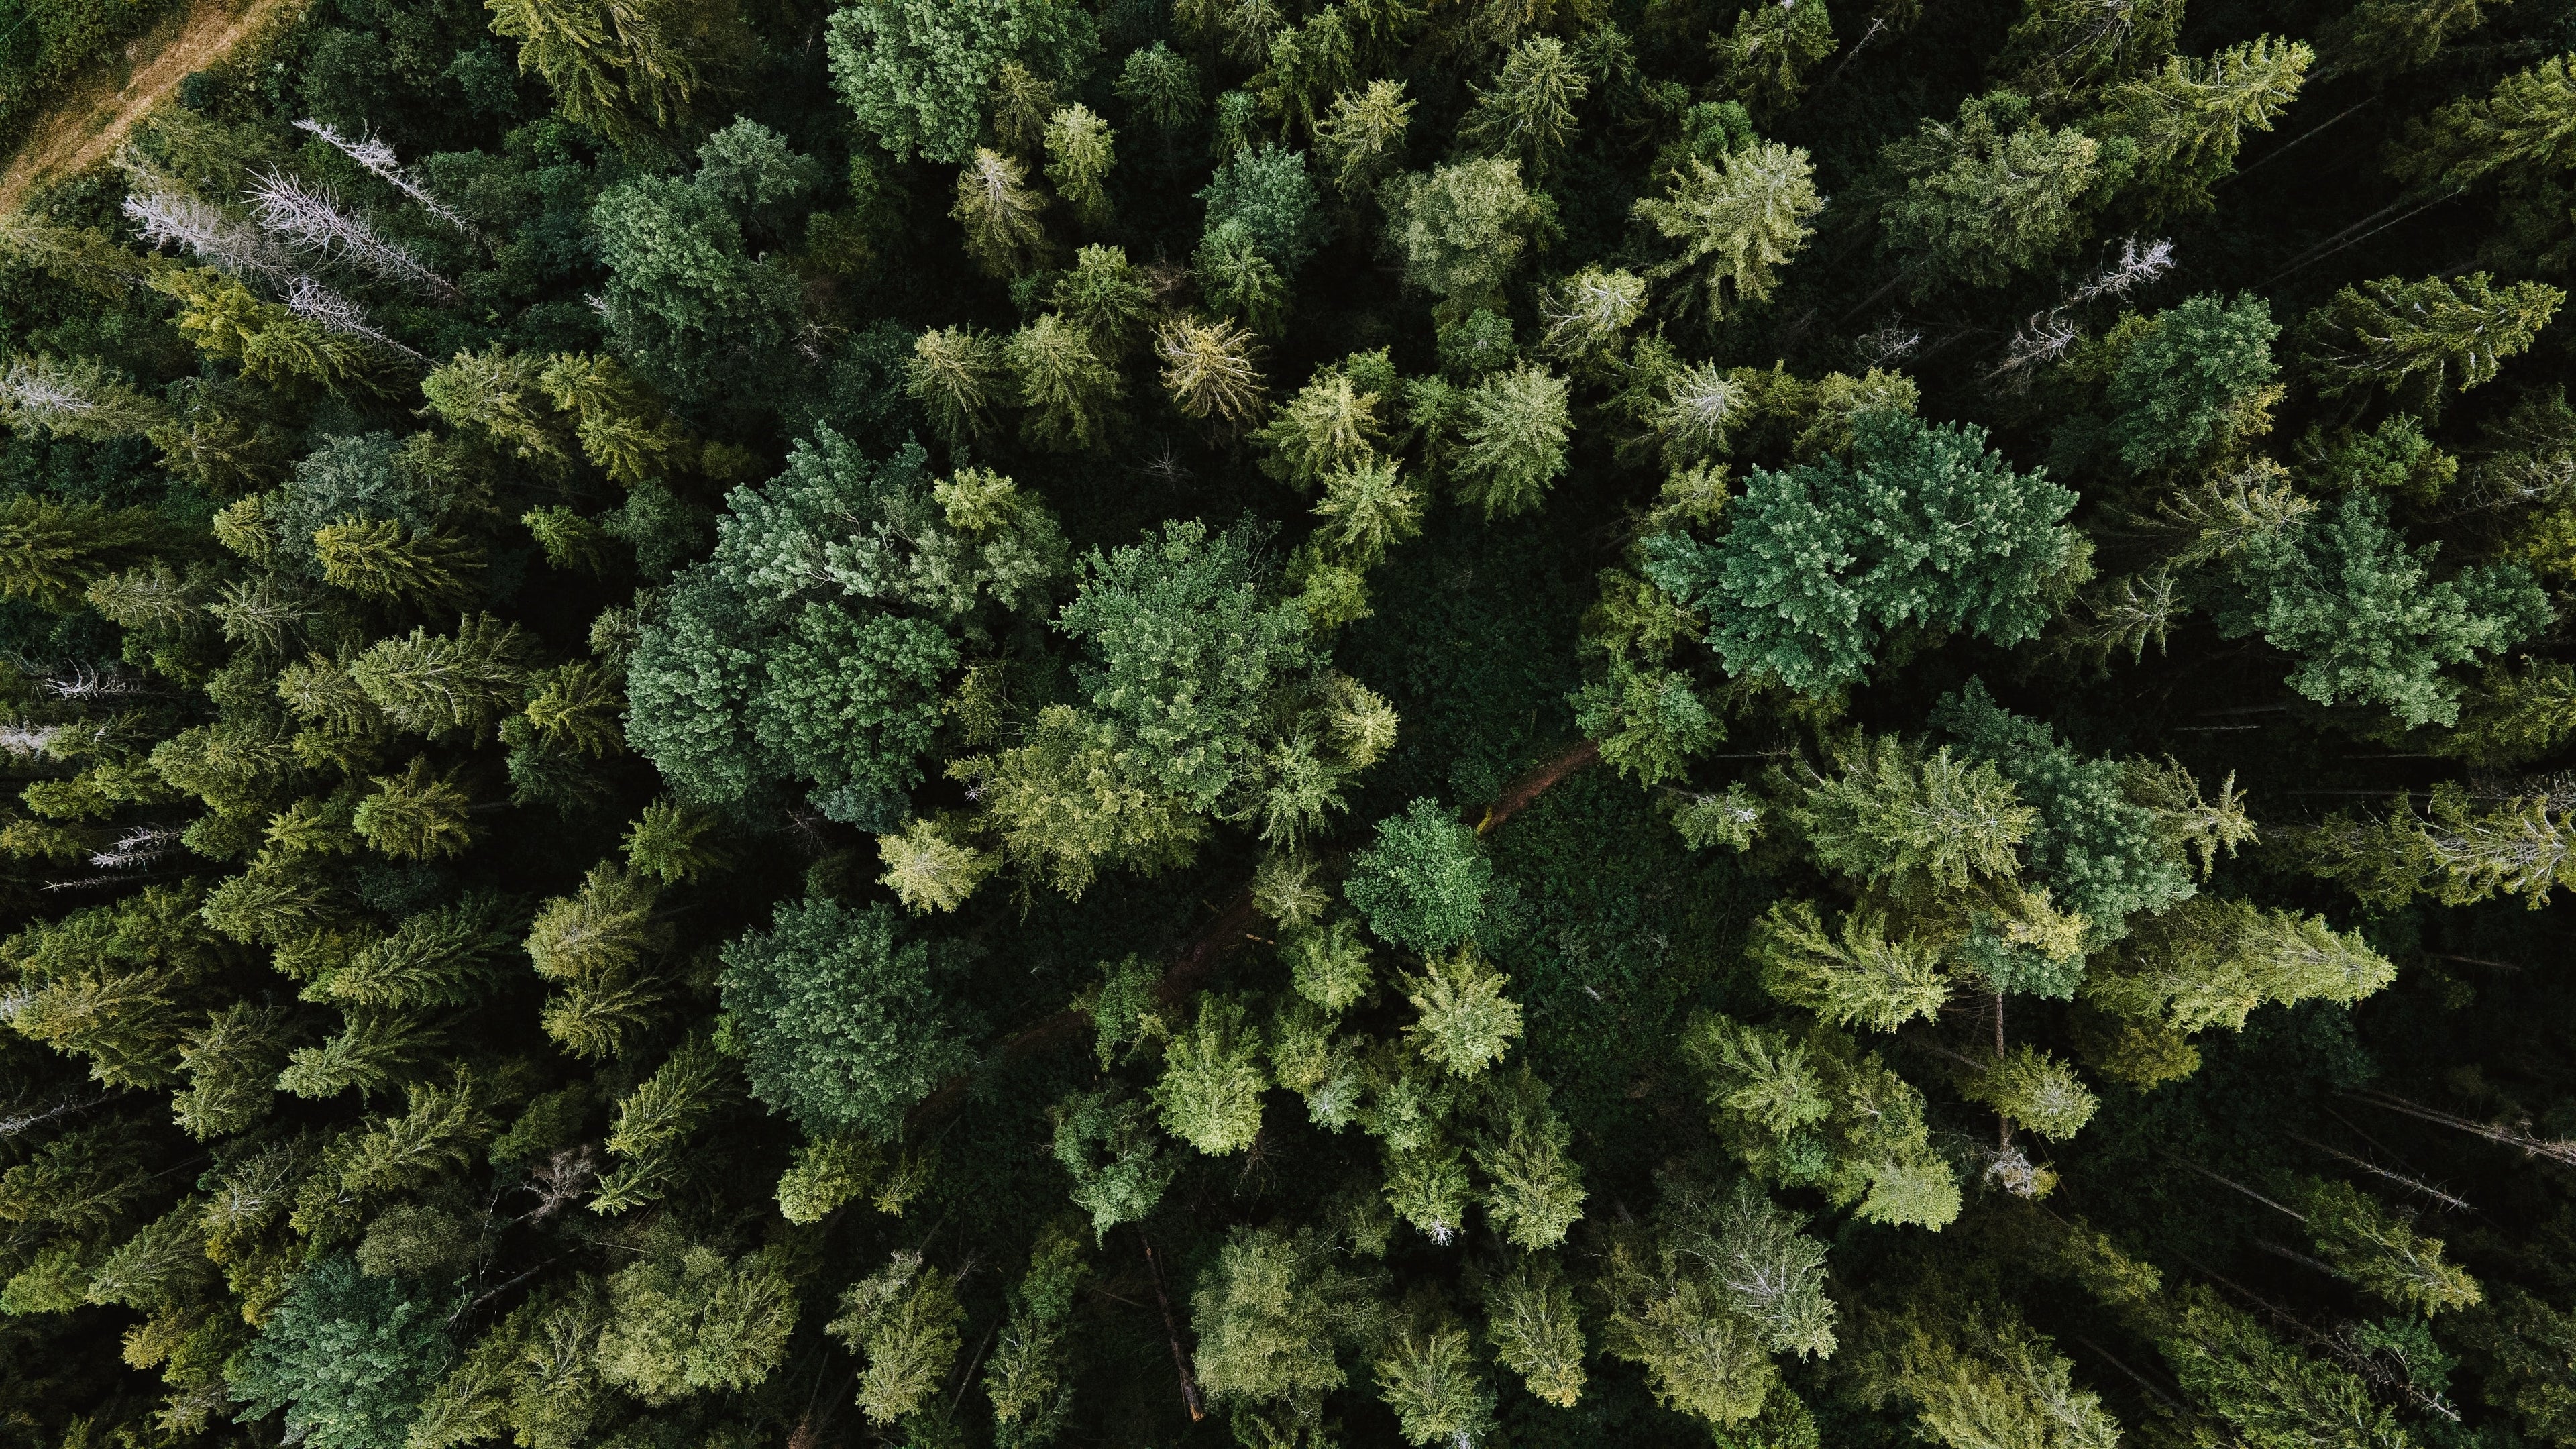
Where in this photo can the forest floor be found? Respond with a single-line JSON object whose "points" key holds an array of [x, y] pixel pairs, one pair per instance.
{"points": [[95, 114]]}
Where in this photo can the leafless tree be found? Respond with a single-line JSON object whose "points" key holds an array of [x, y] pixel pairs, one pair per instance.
{"points": [[310, 220], [380, 161]]}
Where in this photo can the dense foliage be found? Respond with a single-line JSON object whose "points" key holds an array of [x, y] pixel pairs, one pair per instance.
{"points": [[1295, 722]]}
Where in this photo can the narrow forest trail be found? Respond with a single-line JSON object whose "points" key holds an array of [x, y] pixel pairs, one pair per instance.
{"points": [[96, 113]]}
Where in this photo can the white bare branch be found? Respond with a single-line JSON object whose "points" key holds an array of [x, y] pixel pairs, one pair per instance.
{"points": [[310, 220], [379, 160]]}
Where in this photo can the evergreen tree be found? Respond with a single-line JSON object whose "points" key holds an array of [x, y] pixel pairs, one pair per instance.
{"points": [[1270, 1312], [51, 552], [999, 211], [2189, 119], [2366, 618], [902, 1320], [347, 1357], [842, 1022], [1922, 524], [1163, 84], [416, 815], [1071, 395], [1530, 1315], [689, 1322], [914, 72], [1766, 57], [1081, 150], [1332, 424], [1513, 441], [1361, 142], [1210, 1090], [2421, 340], [1528, 114], [2381, 1251], [1423, 884], [2194, 381], [1992, 195], [1428, 1376], [955, 373], [2528, 120], [1461, 230], [622, 70], [1210, 370]]}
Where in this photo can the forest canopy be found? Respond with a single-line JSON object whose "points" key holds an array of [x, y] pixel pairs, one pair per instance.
{"points": [[985, 724]]}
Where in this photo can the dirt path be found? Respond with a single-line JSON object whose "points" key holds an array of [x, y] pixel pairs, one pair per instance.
{"points": [[94, 117]]}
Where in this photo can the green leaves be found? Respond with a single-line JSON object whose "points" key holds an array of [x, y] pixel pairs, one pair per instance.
{"points": [[1423, 884], [1924, 525], [841, 1016]]}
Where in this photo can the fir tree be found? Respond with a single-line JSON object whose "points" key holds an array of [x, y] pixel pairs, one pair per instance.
{"points": [[1081, 150], [1528, 114], [1000, 211], [1071, 396], [2422, 340], [1766, 57], [1513, 441], [1361, 142]]}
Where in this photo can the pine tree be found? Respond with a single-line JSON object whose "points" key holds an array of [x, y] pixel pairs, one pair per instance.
{"points": [[2036, 1091], [619, 69], [51, 552], [2190, 118], [955, 373], [1163, 84], [902, 1320], [1428, 1376], [417, 815], [1330, 425], [1529, 112], [2270, 1394], [440, 957], [1798, 588], [2527, 121], [1461, 230], [1210, 1090], [606, 929], [1237, 279], [1895, 811], [1071, 396], [999, 210], [443, 684], [1361, 142], [382, 559], [1211, 370], [1983, 1377], [1534, 1187], [929, 868], [2421, 340], [654, 1122], [1366, 510], [2210, 962], [1530, 1316], [79, 399], [1584, 318], [674, 842], [1859, 975], [1766, 58], [692, 1322], [1081, 150], [1464, 1023], [1108, 295], [2381, 1251], [1021, 101], [1269, 1313], [1514, 441], [1308, 64], [1989, 197]]}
